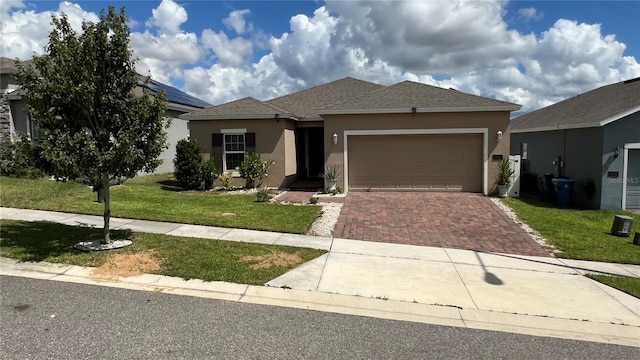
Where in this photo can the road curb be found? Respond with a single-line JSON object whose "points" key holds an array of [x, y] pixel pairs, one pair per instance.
{"points": [[336, 303]]}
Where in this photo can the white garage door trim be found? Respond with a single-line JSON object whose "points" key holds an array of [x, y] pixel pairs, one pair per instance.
{"points": [[483, 131], [625, 165]]}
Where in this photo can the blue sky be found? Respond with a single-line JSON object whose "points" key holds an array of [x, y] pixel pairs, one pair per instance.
{"points": [[530, 52]]}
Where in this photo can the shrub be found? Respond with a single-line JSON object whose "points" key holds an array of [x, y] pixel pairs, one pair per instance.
{"points": [[331, 173], [254, 169], [263, 194], [188, 164], [226, 180], [22, 158], [209, 173], [505, 173]]}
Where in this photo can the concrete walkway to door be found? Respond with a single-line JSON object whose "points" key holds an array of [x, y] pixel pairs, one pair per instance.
{"points": [[452, 220]]}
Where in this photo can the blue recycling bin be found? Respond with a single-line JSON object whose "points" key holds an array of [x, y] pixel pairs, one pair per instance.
{"points": [[564, 191]]}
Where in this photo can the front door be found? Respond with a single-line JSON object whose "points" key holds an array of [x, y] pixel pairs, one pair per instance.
{"points": [[310, 152]]}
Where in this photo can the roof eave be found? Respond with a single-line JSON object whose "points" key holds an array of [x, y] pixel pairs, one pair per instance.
{"points": [[237, 117], [557, 127], [620, 115], [421, 110], [580, 126], [182, 107]]}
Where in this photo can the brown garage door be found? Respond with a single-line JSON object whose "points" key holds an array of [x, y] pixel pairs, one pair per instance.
{"points": [[415, 162]]}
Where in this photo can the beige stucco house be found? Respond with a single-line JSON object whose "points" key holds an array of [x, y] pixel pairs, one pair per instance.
{"points": [[408, 136]]}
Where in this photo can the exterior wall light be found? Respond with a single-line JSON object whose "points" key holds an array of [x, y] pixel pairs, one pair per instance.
{"points": [[334, 137], [616, 152], [499, 136]]}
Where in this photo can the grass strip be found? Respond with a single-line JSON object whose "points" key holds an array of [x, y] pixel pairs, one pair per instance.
{"points": [[189, 258]]}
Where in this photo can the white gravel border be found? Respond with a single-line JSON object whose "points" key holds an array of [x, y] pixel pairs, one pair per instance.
{"points": [[533, 233], [324, 224]]}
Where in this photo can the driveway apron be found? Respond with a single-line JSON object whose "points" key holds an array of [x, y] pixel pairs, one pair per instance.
{"points": [[452, 220]]}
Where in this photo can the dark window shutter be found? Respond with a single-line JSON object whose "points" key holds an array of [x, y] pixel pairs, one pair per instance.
{"points": [[250, 142], [217, 150]]}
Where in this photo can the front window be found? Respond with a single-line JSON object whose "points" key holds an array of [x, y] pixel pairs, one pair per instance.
{"points": [[234, 149]]}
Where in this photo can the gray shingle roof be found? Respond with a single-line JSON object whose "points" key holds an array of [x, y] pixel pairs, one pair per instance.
{"points": [[243, 108], [8, 65], [586, 109], [408, 94], [305, 103]]}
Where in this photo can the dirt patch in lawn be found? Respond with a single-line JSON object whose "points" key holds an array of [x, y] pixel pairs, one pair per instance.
{"points": [[126, 265], [275, 258]]}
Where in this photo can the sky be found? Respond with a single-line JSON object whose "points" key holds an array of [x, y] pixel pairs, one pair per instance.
{"points": [[533, 53]]}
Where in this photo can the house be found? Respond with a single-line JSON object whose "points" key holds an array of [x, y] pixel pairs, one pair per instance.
{"points": [[14, 119], [594, 138], [407, 136]]}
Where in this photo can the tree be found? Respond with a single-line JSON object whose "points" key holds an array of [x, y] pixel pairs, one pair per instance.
{"points": [[80, 95], [188, 163]]}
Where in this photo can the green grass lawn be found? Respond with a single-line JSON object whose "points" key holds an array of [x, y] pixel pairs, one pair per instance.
{"points": [[189, 258], [627, 284], [157, 197], [578, 234]]}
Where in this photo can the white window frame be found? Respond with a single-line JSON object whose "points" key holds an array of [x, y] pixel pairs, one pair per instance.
{"points": [[224, 133]]}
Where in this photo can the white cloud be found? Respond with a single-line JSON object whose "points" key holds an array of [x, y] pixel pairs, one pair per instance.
{"points": [[236, 21], [25, 33], [163, 53], [167, 17], [229, 52], [470, 48], [7, 5], [530, 13]]}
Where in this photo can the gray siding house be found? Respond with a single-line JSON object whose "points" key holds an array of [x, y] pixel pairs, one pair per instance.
{"points": [[594, 138], [14, 119]]}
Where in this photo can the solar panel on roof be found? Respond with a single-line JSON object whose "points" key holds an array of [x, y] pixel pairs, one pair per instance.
{"points": [[174, 95]]}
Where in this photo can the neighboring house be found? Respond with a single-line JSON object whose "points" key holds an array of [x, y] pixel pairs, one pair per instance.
{"points": [[594, 138], [14, 119], [408, 136]]}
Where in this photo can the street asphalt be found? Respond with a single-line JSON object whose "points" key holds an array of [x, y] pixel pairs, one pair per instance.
{"points": [[57, 320], [542, 296]]}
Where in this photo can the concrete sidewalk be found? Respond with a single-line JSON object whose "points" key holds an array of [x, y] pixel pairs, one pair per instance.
{"points": [[531, 295], [167, 228]]}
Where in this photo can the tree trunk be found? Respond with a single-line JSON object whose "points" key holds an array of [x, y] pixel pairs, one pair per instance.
{"points": [[107, 211]]}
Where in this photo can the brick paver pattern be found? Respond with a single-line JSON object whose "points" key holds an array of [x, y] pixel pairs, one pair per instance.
{"points": [[451, 220]]}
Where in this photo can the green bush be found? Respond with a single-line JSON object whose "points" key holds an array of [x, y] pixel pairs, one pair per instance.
{"points": [[188, 164], [226, 180], [254, 169], [22, 158], [209, 173]]}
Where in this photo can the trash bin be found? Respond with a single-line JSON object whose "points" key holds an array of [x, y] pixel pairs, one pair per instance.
{"points": [[100, 194], [564, 191], [546, 188]]}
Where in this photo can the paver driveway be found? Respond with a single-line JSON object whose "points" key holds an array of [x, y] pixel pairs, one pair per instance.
{"points": [[452, 220]]}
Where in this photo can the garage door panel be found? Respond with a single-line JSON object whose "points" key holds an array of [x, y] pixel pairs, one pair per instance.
{"points": [[416, 162]]}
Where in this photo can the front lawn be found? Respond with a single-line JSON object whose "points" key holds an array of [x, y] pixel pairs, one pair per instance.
{"points": [[189, 258], [157, 197], [626, 284], [578, 234]]}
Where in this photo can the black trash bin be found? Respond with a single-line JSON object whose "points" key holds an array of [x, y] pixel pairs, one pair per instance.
{"points": [[546, 188]]}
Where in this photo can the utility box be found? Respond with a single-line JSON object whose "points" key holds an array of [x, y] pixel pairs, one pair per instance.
{"points": [[622, 226]]}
